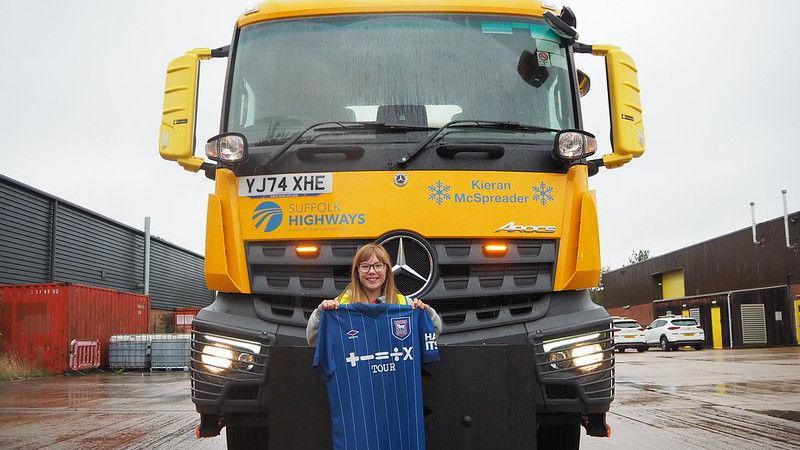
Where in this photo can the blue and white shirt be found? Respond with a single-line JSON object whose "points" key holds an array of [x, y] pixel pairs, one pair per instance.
{"points": [[370, 357]]}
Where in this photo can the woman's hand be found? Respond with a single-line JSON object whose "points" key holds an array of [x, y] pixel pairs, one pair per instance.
{"points": [[417, 303], [328, 305]]}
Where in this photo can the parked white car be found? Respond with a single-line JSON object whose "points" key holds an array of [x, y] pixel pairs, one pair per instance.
{"points": [[629, 334], [671, 332]]}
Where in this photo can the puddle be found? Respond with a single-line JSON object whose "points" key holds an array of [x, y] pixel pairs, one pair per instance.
{"points": [[788, 415]]}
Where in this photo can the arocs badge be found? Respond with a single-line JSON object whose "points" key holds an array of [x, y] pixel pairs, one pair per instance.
{"points": [[401, 327]]}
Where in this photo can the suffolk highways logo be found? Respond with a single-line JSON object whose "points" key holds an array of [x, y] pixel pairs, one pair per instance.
{"points": [[268, 215]]}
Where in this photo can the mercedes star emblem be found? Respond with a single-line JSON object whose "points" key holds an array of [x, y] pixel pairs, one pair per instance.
{"points": [[413, 263], [400, 179]]}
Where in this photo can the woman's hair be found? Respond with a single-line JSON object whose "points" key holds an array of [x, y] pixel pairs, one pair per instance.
{"points": [[364, 254]]}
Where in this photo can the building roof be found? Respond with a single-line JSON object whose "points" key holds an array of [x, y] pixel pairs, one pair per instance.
{"points": [[730, 262], [88, 211]]}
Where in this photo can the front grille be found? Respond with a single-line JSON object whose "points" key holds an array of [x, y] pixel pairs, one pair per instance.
{"points": [[208, 382], [244, 392], [560, 365], [560, 392], [463, 270]]}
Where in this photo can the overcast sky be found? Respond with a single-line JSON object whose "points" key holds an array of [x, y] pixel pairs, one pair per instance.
{"points": [[81, 92]]}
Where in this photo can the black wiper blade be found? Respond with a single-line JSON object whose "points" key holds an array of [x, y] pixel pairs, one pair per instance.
{"points": [[270, 158], [497, 125]]}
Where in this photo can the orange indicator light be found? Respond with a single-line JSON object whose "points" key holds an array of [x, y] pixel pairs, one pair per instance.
{"points": [[307, 250], [495, 249]]}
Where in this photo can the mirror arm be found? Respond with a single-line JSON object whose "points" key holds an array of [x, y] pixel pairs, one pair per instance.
{"points": [[192, 163], [602, 49], [210, 170], [221, 52], [594, 166], [578, 47]]}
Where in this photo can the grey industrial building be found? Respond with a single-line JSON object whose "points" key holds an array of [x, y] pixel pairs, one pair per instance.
{"points": [[46, 239], [746, 289]]}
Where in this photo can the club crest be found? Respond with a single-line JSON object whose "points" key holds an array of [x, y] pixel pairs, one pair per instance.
{"points": [[401, 327]]}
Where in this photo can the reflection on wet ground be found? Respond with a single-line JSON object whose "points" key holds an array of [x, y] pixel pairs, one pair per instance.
{"points": [[131, 410], [709, 399]]}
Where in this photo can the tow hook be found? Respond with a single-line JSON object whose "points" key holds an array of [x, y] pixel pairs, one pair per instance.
{"points": [[595, 425]]}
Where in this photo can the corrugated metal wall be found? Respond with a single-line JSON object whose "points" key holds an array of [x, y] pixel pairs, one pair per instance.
{"points": [[45, 239]]}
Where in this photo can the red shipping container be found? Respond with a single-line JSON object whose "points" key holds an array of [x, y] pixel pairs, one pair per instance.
{"points": [[184, 318], [38, 321]]}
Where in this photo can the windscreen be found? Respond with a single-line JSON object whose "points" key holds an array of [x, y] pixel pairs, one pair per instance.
{"points": [[419, 70], [626, 325]]}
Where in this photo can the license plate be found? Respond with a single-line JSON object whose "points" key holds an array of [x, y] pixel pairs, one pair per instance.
{"points": [[288, 185], [629, 337], [688, 334]]}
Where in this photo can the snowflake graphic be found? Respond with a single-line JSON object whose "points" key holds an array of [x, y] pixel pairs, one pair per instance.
{"points": [[439, 192], [542, 193]]}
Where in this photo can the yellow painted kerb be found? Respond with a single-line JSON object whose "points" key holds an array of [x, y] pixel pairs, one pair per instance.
{"points": [[286, 9]]}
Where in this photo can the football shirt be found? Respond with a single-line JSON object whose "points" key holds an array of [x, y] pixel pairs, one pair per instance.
{"points": [[370, 357]]}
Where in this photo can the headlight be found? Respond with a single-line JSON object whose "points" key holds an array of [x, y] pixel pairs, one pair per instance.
{"points": [[587, 358], [221, 354], [216, 359], [228, 147], [574, 144], [576, 352]]}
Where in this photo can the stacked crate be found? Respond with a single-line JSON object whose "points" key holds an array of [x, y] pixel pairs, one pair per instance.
{"points": [[129, 351], [170, 351]]}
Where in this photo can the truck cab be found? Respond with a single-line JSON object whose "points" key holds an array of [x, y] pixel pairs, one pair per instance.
{"points": [[449, 131]]}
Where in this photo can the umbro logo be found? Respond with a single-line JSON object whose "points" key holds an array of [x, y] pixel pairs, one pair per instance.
{"points": [[352, 334]]}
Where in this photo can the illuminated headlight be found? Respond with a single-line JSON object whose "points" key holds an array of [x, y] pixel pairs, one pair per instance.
{"points": [[228, 147], [587, 358], [221, 354], [574, 144], [216, 359], [576, 352]]}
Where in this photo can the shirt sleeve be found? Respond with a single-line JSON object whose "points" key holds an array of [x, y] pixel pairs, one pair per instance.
{"points": [[312, 329], [427, 337], [437, 321], [324, 362]]}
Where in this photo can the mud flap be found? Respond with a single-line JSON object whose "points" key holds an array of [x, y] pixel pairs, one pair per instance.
{"points": [[476, 397]]}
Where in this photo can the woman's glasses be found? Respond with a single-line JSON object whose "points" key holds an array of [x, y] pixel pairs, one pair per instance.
{"points": [[378, 266]]}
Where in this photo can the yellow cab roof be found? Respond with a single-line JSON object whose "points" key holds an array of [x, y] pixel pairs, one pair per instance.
{"points": [[286, 9]]}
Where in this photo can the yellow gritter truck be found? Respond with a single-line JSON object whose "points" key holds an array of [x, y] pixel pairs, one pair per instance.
{"points": [[450, 131]]}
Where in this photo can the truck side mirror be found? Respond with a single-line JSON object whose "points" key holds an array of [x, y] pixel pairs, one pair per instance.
{"points": [[627, 126], [176, 137]]}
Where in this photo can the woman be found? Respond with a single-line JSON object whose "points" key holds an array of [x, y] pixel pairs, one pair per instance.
{"points": [[371, 281]]}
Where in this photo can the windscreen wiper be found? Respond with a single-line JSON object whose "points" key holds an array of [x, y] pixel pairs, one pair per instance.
{"points": [[408, 156], [270, 158]]}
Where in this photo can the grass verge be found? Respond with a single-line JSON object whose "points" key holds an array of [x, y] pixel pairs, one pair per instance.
{"points": [[14, 368]]}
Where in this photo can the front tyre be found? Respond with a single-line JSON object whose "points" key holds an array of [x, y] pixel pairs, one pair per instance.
{"points": [[559, 437], [665, 344], [247, 437]]}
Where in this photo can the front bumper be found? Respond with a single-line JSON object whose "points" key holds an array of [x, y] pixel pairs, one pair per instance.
{"points": [[557, 388]]}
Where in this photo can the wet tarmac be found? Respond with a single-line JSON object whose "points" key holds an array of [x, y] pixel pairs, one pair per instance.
{"points": [[711, 399]]}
